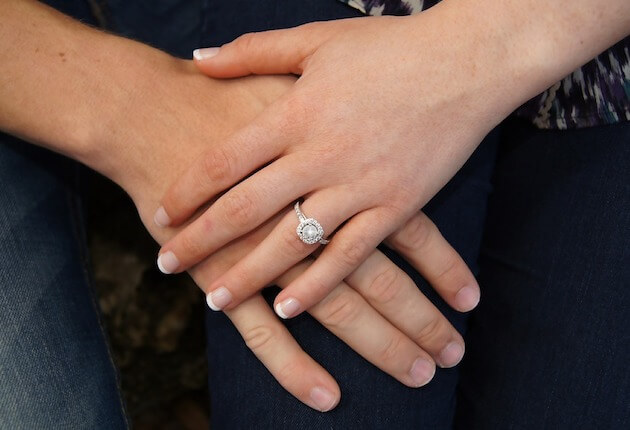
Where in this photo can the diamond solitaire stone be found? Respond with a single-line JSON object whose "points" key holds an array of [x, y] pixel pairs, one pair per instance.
{"points": [[309, 230]]}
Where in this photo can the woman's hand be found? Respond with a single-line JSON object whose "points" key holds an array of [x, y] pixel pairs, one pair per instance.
{"points": [[386, 111], [377, 310], [381, 118]]}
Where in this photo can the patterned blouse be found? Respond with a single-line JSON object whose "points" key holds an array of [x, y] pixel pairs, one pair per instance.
{"points": [[595, 94]]}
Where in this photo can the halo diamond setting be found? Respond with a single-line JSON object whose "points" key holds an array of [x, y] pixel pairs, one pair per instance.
{"points": [[309, 230]]}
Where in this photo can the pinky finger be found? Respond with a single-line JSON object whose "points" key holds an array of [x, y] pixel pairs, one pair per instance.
{"points": [[274, 346]]}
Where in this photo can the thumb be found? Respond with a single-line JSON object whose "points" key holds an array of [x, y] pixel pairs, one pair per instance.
{"points": [[268, 52]]}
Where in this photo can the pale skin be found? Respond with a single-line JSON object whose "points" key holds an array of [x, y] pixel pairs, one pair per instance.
{"points": [[100, 99], [386, 110]]}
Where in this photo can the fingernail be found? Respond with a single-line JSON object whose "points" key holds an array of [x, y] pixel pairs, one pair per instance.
{"points": [[421, 372], [219, 298], [451, 354], [205, 53], [288, 308], [467, 298], [161, 218], [167, 262], [323, 399]]}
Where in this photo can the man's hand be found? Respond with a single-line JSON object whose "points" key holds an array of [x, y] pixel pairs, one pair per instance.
{"points": [[141, 118]]}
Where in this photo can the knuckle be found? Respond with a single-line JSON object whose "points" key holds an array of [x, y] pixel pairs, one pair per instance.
{"points": [[431, 332], [391, 349], [259, 338], [290, 370], [190, 245], [352, 251], [415, 234], [341, 311], [239, 208], [449, 265], [385, 287], [297, 107], [206, 223], [317, 288], [245, 43], [216, 167]]}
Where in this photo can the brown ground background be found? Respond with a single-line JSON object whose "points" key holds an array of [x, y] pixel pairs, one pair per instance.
{"points": [[155, 322]]}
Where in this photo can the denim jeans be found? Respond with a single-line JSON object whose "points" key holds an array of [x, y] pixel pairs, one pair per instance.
{"points": [[55, 367], [544, 222]]}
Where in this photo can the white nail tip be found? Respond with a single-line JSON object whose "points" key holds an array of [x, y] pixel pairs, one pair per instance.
{"points": [[161, 267], [281, 314], [211, 304], [161, 218], [205, 53]]}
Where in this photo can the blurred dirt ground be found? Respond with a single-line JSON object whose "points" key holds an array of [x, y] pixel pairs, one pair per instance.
{"points": [[155, 322]]}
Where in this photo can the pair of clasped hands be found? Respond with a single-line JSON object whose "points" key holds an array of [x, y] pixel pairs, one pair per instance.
{"points": [[363, 169]]}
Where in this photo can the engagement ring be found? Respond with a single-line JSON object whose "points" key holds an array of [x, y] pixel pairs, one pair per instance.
{"points": [[309, 230]]}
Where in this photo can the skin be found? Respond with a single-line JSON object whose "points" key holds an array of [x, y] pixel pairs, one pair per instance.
{"points": [[103, 103], [387, 109]]}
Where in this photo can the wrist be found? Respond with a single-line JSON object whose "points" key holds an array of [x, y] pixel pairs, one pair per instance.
{"points": [[122, 74], [519, 48]]}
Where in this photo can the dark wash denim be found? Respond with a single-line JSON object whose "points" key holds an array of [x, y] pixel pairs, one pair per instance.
{"points": [[55, 368], [547, 347]]}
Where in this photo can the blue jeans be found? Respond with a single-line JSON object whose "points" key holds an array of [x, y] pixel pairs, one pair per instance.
{"points": [[55, 367], [545, 348]]}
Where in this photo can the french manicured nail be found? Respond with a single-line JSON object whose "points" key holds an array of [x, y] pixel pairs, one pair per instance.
{"points": [[219, 298], [467, 298], [161, 218], [421, 372], [205, 53], [451, 354], [288, 308], [167, 262], [322, 399]]}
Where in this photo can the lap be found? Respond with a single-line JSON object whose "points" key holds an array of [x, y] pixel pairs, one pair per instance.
{"points": [[54, 364], [548, 345], [244, 394]]}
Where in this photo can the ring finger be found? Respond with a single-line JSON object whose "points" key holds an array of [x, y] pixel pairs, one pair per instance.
{"points": [[280, 250]]}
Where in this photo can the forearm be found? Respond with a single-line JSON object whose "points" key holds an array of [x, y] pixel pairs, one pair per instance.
{"points": [[61, 79], [516, 49]]}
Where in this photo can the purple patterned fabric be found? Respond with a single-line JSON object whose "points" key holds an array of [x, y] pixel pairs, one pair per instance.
{"points": [[595, 94]]}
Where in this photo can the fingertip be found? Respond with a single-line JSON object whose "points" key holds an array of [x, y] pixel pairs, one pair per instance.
{"points": [[167, 262], [467, 298], [218, 299], [161, 218], [421, 372], [451, 355], [288, 308], [203, 54], [323, 399]]}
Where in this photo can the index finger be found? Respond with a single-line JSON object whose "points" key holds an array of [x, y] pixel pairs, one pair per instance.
{"points": [[224, 165]]}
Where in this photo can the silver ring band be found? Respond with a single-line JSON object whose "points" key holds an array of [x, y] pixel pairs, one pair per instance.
{"points": [[309, 230]]}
